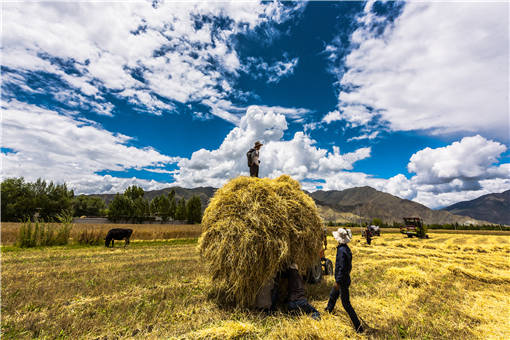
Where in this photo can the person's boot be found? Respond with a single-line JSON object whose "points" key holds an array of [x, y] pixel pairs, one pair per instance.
{"points": [[366, 328]]}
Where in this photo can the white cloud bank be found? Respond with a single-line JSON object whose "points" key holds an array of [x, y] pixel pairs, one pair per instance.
{"points": [[467, 168], [441, 67], [461, 171], [65, 149], [44, 143], [297, 157], [151, 54]]}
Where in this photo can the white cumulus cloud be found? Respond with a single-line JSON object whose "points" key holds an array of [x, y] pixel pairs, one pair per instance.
{"points": [[298, 157], [463, 170], [439, 67], [470, 158], [150, 53], [44, 143]]}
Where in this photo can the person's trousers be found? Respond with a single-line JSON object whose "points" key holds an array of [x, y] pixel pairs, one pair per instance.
{"points": [[303, 306], [254, 170], [343, 292]]}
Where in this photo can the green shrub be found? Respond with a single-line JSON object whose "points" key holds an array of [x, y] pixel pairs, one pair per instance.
{"points": [[36, 234], [25, 235]]}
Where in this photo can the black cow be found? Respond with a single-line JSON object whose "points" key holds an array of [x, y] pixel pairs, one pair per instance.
{"points": [[118, 234]]}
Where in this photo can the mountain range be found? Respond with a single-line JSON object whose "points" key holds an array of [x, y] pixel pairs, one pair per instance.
{"points": [[362, 204], [366, 203], [494, 208]]}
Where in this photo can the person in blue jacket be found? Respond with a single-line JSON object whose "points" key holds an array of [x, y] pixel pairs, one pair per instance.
{"points": [[343, 268]]}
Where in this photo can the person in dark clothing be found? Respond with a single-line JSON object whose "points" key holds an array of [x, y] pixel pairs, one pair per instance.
{"points": [[368, 234], [343, 268], [253, 159], [297, 302], [267, 296]]}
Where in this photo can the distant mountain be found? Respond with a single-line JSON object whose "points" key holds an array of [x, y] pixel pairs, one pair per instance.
{"points": [[367, 203], [494, 208], [348, 205]]}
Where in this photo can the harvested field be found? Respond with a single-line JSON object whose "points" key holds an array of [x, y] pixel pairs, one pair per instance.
{"points": [[9, 230], [141, 231], [451, 286], [435, 231]]}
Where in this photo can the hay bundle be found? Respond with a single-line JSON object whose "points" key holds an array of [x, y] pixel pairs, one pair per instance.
{"points": [[254, 228]]}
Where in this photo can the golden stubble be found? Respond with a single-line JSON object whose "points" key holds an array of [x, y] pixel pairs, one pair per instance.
{"points": [[451, 286]]}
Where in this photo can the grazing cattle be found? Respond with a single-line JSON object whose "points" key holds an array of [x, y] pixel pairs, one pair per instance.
{"points": [[118, 234]]}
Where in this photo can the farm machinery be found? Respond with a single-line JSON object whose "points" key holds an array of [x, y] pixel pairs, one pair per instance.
{"points": [[374, 230], [322, 267], [413, 226]]}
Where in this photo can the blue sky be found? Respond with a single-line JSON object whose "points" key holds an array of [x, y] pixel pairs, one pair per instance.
{"points": [[409, 98]]}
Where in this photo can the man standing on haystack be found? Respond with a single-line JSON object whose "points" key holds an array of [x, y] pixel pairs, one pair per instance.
{"points": [[253, 159]]}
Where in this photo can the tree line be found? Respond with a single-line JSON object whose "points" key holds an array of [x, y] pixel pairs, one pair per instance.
{"points": [[21, 201], [132, 206]]}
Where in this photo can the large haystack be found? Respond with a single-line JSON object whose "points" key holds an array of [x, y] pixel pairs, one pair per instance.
{"points": [[254, 228]]}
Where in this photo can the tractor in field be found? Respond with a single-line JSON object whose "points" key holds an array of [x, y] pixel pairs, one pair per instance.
{"points": [[413, 226], [374, 230], [323, 266]]}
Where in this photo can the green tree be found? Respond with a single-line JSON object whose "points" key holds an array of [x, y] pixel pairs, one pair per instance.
{"points": [[88, 205], [160, 206], [180, 211], [154, 206], [134, 192], [140, 210], [21, 201], [18, 200], [173, 205], [52, 199], [194, 210], [164, 208], [377, 221], [121, 207]]}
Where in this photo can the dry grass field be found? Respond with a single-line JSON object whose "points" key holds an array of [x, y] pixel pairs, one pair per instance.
{"points": [[451, 286], [141, 231]]}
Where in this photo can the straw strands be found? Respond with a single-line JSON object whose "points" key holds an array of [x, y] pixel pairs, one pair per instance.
{"points": [[254, 228]]}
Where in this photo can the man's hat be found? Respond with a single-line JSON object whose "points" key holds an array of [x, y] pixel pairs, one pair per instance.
{"points": [[257, 143]]}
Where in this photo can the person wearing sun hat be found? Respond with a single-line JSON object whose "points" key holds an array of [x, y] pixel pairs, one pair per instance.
{"points": [[343, 268], [253, 159]]}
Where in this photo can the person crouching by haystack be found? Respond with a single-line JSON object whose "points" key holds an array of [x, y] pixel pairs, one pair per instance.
{"points": [[297, 302], [267, 297], [343, 268]]}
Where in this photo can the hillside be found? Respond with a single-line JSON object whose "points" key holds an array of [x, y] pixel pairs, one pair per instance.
{"points": [[368, 203], [348, 205], [494, 208]]}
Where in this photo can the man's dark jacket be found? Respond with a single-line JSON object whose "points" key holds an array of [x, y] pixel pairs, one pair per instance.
{"points": [[296, 287], [343, 264]]}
